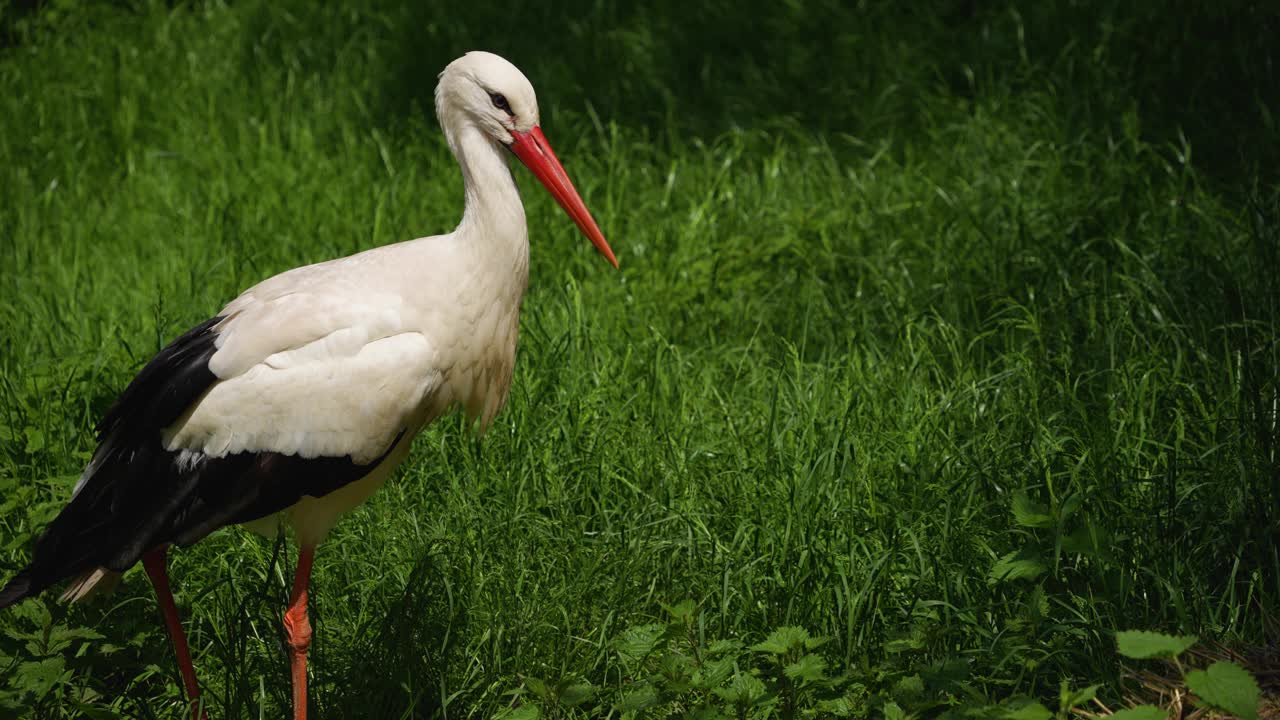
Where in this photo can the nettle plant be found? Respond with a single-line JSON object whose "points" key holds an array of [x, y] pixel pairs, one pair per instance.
{"points": [[670, 672], [1223, 685], [1051, 531]]}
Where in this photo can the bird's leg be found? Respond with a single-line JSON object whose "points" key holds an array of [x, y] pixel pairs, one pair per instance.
{"points": [[297, 628], [155, 563]]}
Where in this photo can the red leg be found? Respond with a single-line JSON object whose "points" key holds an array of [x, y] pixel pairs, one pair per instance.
{"points": [[155, 564], [297, 628]]}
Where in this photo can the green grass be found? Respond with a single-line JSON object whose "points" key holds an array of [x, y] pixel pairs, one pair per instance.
{"points": [[909, 300]]}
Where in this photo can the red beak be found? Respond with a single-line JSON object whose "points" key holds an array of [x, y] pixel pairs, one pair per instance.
{"points": [[535, 152]]}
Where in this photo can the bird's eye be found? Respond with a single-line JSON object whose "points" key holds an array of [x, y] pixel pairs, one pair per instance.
{"points": [[500, 102]]}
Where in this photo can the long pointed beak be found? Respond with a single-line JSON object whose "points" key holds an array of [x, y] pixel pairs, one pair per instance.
{"points": [[535, 152]]}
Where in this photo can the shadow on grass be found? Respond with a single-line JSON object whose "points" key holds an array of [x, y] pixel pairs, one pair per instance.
{"points": [[1209, 72], [397, 665], [1206, 72]]}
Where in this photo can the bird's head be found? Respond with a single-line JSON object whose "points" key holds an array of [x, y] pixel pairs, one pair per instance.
{"points": [[491, 92], [497, 99]]}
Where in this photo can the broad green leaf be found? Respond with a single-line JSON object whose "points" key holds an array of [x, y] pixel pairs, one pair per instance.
{"points": [[894, 711], [677, 668], [539, 687], [39, 677], [782, 640], [1091, 539], [902, 645], [750, 688], [1142, 644], [1029, 513], [1226, 686], [640, 698], [713, 673], [576, 693], [681, 611], [807, 669], [60, 637], [35, 440], [35, 612], [1019, 565], [722, 647], [744, 690], [909, 688], [839, 707], [1141, 712], [814, 643], [1026, 711], [93, 712], [524, 712], [10, 700], [1075, 698], [636, 643]]}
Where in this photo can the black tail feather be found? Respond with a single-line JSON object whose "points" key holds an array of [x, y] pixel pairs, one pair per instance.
{"points": [[17, 589]]}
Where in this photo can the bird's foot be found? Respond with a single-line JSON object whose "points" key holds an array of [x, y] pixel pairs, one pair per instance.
{"points": [[297, 628]]}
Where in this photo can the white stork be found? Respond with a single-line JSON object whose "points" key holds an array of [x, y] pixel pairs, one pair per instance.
{"points": [[298, 400]]}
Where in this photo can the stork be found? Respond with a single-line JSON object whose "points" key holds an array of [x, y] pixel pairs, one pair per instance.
{"points": [[296, 402]]}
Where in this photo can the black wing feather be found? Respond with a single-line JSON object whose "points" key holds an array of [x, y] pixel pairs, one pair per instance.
{"points": [[139, 496], [166, 386]]}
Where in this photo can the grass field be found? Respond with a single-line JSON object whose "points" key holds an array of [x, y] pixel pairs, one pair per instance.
{"points": [[948, 333]]}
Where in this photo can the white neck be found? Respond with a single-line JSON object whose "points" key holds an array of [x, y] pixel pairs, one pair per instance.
{"points": [[493, 220]]}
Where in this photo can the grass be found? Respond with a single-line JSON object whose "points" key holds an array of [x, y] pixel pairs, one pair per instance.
{"points": [[948, 335]]}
